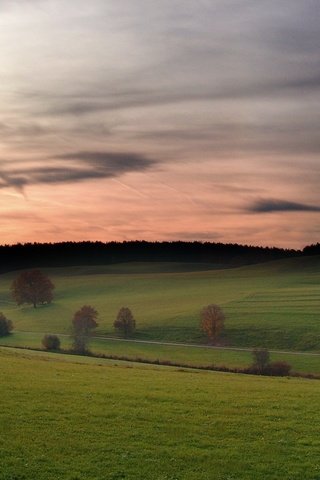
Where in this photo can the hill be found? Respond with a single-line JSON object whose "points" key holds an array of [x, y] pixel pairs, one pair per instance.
{"points": [[275, 304], [76, 418]]}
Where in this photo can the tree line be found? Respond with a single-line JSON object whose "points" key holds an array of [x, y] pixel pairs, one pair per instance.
{"points": [[28, 255]]}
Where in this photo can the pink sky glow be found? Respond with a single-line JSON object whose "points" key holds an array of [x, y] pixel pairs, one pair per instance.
{"points": [[160, 121]]}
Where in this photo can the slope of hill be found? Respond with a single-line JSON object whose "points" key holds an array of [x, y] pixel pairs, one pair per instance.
{"points": [[275, 304], [76, 419]]}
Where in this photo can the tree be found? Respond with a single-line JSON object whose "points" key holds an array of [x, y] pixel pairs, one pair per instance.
{"points": [[262, 365], [51, 342], [83, 323], [125, 322], [32, 287], [261, 359], [6, 325], [212, 321]]}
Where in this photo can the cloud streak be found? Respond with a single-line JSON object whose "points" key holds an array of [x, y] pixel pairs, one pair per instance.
{"points": [[76, 167], [274, 206]]}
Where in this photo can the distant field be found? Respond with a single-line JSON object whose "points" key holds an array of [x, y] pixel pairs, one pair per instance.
{"points": [[79, 418], [275, 304]]}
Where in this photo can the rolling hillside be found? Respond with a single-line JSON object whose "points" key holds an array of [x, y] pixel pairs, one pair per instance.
{"points": [[78, 418], [274, 304]]}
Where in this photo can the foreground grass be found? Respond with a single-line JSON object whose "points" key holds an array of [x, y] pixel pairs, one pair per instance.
{"points": [[64, 420], [275, 305], [303, 363]]}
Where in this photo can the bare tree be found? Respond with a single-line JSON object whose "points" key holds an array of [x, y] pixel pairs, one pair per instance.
{"points": [[261, 359]]}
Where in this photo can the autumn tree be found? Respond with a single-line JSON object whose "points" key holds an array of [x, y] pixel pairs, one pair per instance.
{"points": [[32, 287], [125, 322], [83, 323], [212, 321], [6, 325]]}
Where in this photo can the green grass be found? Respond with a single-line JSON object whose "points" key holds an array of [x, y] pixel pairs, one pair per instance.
{"points": [[302, 363], [76, 419], [275, 305]]}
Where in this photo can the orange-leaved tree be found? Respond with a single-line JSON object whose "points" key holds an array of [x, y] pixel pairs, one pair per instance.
{"points": [[212, 321]]}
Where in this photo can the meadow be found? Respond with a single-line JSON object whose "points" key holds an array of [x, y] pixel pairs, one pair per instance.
{"points": [[76, 418], [275, 304], [302, 362]]}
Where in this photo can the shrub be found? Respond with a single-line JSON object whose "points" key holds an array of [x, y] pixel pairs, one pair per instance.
{"points": [[51, 342], [279, 368], [263, 366], [6, 325]]}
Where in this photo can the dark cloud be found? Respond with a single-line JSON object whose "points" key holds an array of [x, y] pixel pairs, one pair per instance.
{"points": [[75, 167], [111, 163], [272, 205]]}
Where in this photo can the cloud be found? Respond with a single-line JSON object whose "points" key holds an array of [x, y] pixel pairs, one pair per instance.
{"points": [[246, 62], [75, 167], [102, 100], [273, 205]]}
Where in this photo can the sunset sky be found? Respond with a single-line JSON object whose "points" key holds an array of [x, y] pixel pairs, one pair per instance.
{"points": [[160, 120]]}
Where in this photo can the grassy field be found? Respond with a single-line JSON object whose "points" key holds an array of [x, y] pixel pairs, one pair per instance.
{"points": [[275, 305], [76, 418], [302, 363]]}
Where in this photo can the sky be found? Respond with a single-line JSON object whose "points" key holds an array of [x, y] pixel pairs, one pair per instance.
{"points": [[160, 120]]}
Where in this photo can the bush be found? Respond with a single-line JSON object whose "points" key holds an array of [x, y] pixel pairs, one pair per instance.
{"points": [[279, 368], [262, 365], [6, 325], [51, 342]]}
